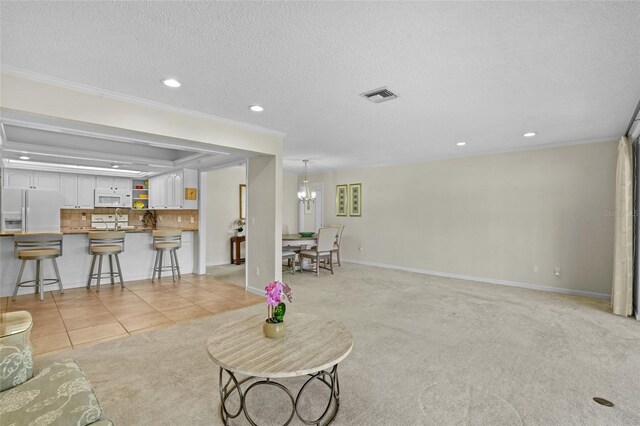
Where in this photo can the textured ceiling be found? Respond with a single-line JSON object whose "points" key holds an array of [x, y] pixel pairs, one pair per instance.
{"points": [[483, 73]]}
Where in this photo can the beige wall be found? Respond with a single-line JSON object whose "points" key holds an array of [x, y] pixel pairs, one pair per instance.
{"points": [[222, 211], [289, 203], [492, 217], [264, 221]]}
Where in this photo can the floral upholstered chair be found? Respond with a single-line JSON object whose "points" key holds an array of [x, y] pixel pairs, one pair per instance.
{"points": [[60, 394]]}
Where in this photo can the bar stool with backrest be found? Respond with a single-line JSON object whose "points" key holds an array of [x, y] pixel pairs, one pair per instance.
{"points": [[38, 247], [166, 240], [105, 243]]}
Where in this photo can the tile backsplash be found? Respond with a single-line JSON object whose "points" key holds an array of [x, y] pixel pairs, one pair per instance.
{"points": [[185, 219]]}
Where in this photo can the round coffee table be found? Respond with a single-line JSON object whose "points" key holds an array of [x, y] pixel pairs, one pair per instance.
{"points": [[312, 346]]}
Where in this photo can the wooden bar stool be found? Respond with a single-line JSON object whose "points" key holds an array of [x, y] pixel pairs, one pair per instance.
{"points": [[166, 240], [38, 247], [105, 243]]}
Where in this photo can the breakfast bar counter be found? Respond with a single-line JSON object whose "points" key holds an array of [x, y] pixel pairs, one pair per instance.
{"points": [[75, 262], [70, 230]]}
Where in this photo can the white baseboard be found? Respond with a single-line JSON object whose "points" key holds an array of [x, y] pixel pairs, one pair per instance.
{"points": [[485, 280], [255, 291], [219, 264]]}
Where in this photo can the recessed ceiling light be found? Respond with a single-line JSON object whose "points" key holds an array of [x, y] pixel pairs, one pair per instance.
{"points": [[256, 108], [24, 157], [461, 143], [171, 82], [529, 134], [115, 166]]}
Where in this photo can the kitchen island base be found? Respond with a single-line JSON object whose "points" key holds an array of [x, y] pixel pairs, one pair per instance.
{"points": [[75, 263]]}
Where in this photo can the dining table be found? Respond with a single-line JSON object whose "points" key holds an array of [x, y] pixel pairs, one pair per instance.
{"points": [[295, 240]]}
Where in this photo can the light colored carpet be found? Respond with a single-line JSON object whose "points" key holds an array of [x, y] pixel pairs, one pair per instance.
{"points": [[427, 351]]}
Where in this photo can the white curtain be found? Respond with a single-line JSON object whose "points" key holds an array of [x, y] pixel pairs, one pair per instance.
{"points": [[622, 291]]}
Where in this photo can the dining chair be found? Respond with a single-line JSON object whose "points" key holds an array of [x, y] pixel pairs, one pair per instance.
{"points": [[322, 251], [336, 245], [290, 257]]}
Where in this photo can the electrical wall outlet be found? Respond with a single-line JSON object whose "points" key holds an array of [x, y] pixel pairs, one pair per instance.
{"points": [[556, 271], [257, 270], [179, 219], [140, 217], [535, 268], [160, 218], [191, 219], [84, 217]]}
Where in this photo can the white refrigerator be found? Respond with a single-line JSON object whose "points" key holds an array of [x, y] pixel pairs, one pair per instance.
{"points": [[30, 210]]}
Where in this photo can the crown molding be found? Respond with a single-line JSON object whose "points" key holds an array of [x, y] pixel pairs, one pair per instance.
{"points": [[109, 94]]}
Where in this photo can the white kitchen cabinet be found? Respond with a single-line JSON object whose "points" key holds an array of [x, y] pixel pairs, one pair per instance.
{"points": [[167, 191], [115, 183], [29, 179], [104, 182], [18, 179], [122, 184], [46, 180], [174, 187], [161, 192], [156, 192], [86, 191], [77, 191], [69, 191]]}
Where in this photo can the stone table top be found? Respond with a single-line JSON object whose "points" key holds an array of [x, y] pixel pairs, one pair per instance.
{"points": [[297, 237], [310, 344]]}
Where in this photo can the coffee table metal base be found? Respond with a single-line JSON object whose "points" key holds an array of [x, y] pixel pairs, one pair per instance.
{"points": [[233, 385]]}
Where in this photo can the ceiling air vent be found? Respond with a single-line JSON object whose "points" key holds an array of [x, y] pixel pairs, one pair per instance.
{"points": [[379, 95]]}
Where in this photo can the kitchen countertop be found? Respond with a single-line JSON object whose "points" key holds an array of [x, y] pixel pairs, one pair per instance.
{"points": [[72, 231]]}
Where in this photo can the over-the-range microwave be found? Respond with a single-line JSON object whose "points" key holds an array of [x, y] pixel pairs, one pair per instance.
{"points": [[112, 198]]}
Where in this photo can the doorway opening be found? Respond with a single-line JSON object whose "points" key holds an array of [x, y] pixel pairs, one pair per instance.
{"points": [[225, 223]]}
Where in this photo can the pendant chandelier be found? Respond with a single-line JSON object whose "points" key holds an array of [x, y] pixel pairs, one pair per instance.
{"points": [[306, 196]]}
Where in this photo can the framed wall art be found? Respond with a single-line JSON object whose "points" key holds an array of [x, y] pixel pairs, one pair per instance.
{"points": [[341, 200], [355, 199], [190, 194]]}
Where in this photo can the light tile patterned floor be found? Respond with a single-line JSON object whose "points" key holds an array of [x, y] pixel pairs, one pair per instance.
{"points": [[82, 317]]}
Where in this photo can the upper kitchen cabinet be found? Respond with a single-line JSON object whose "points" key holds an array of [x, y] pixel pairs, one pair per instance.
{"points": [[77, 191], [167, 191], [29, 179], [115, 183]]}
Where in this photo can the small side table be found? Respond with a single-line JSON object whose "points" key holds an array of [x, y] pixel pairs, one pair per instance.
{"points": [[237, 240]]}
